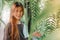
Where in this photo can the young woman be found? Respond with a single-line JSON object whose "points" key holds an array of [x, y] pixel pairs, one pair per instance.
{"points": [[14, 29]]}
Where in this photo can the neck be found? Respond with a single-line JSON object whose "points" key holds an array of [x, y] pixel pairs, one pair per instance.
{"points": [[18, 22]]}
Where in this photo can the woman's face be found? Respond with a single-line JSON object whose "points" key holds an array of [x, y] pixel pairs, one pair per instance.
{"points": [[18, 13]]}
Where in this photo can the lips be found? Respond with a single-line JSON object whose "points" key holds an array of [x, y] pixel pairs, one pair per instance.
{"points": [[18, 16]]}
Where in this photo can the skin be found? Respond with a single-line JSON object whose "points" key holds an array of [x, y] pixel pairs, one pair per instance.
{"points": [[37, 34], [18, 13]]}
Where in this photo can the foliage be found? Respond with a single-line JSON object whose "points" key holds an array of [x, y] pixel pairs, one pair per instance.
{"points": [[43, 20]]}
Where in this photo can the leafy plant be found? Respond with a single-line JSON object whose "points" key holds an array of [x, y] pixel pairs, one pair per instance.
{"points": [[40, 17]]}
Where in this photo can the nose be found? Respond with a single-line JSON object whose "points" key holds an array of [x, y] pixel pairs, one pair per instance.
{"points": [[18, 13]]}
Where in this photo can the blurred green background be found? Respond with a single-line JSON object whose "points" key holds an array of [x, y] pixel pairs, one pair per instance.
{"points": [[42, 16]]}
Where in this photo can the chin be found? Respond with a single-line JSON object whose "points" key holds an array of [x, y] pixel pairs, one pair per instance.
{"points": [[18, 18]]}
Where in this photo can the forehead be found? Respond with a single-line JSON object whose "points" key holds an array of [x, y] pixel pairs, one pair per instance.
{"points": [[19, 8]]}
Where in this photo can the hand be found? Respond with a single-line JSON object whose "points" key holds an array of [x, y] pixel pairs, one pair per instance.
{"points": [[37, 34]]}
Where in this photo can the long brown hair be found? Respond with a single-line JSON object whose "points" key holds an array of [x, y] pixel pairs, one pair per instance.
{"points": [[14, 30]]}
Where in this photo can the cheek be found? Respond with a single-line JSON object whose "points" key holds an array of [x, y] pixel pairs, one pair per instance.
{"points": [[21, 14], [14, 14]]}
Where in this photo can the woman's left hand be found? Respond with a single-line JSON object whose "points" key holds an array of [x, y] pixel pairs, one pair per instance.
{"points": [[37, 34]]}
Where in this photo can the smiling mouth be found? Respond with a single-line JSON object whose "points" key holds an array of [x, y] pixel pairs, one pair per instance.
{"points": [[19, 16]]}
